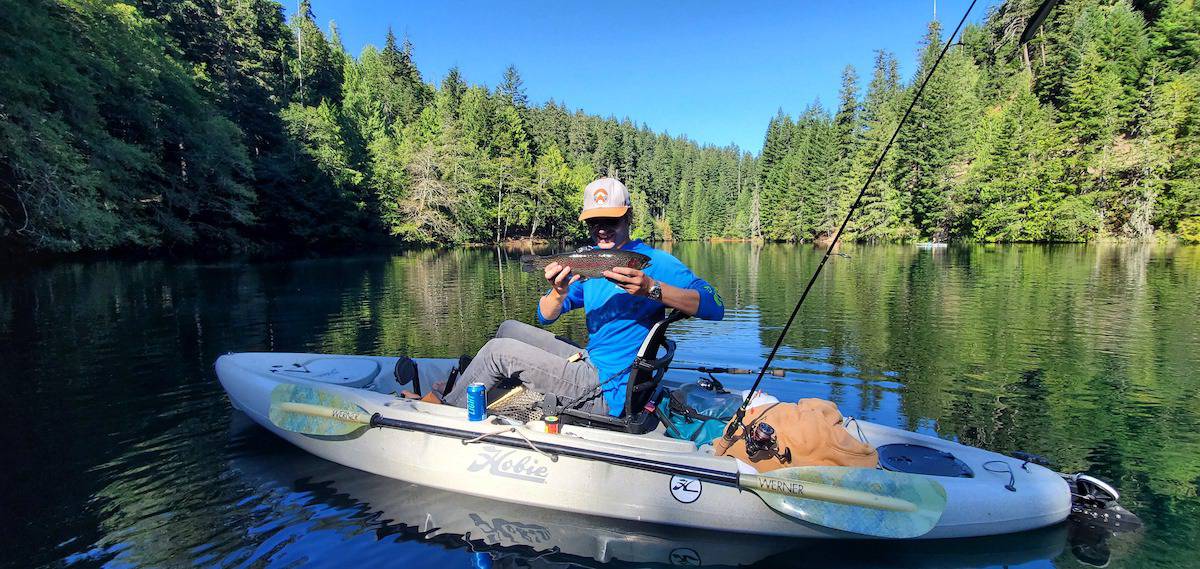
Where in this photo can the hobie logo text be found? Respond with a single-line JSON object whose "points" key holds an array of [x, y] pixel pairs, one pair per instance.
{"points": [[510, 465]]}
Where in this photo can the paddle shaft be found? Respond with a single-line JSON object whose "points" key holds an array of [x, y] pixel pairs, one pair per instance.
{"points": [[753, 482], [824, 493]]}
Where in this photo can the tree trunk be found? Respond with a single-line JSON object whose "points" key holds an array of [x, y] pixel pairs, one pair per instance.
{"points": [[533, 226], [499, 201]]}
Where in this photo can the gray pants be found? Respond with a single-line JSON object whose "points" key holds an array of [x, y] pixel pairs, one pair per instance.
{"points": [[536, 358]]}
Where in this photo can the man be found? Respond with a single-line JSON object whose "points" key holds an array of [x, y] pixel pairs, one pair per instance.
{"points": [[620, 310]]}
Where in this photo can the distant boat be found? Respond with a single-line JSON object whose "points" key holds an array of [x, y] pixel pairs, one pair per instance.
{"points": [[930, 245]]}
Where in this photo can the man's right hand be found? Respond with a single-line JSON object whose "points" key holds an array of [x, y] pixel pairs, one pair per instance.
{"points": [[560, 279]]}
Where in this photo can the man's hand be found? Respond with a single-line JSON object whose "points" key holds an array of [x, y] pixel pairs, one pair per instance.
{"points": [[560, 278], [634, 282]]}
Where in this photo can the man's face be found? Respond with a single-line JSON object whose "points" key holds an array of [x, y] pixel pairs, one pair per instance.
{"points": [[608, 232]]}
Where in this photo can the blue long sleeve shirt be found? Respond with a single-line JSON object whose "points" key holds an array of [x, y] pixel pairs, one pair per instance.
{"points": [[618, 322]]}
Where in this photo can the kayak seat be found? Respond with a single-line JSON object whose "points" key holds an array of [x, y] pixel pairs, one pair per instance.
{"points": [[643, 387]]}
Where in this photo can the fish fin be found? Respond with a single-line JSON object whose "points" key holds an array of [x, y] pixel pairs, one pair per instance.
{"points": [[527, 263]]}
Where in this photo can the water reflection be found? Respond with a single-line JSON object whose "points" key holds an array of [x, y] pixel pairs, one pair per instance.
{"points": [[118, 431]]}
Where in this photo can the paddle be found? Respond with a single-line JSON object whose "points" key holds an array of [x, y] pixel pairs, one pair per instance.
{"points": [[864, 501]]}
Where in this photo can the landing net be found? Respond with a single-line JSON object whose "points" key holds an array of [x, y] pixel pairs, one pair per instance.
{"points": [[519, 404]]}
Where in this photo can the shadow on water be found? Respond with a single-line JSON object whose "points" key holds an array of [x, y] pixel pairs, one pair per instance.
{"points": [[119, 452]]}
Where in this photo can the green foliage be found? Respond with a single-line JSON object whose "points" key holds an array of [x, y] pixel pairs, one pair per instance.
{"points": [[1087, 132], [320, 135], [316, 67], [106, 141], [1173, 135], [1018, 179], [884, 213], [1175, 37], [174, 123], [937, 136], [1189, 230]]}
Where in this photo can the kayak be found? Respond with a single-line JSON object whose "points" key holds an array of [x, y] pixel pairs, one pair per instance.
{"points": [[636, 477], [503, 531]]}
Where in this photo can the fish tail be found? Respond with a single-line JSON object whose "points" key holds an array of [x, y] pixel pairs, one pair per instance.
{"points": [[529, 263]]}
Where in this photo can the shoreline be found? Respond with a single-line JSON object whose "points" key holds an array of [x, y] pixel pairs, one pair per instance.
{"points": [[14, 260]]}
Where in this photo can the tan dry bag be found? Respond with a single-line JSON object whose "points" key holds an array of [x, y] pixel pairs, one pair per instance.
{"points": [[806, 433]]}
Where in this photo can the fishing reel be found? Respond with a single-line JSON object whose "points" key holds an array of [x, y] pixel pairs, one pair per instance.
{"points": [[711, 383], [762, 443]]}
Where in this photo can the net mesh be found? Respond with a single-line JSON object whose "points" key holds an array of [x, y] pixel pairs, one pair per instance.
{"points": [[520, 404]]}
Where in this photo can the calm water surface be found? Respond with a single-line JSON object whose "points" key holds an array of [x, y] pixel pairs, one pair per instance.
{"points": [[121, 448]]}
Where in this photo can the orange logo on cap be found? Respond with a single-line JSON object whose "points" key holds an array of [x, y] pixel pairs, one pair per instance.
{"points": [[600, 196]]}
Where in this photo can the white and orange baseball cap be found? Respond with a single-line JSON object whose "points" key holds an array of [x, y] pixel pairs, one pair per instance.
{"points": [[606, 197]]}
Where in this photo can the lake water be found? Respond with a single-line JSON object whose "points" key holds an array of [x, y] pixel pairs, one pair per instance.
{"points": [[122, 450]]}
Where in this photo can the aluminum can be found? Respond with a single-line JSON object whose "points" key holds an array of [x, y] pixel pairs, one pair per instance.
{"points": [[552, 424], [476, 401]]}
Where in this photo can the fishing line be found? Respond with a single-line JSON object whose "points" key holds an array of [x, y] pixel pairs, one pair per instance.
{"points": [[741, 412]]}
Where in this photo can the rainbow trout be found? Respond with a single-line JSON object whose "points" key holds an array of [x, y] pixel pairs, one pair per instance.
{"points": [[590, 263]]}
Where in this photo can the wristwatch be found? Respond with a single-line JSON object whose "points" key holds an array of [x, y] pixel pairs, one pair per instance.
{"points": [[655, 292]]}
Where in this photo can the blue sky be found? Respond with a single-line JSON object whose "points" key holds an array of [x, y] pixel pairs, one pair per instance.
{"points": [[715, 71]]}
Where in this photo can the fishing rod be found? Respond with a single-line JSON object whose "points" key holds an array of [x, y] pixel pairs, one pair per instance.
{"points": [[731, 370], [736, 422], [1035, 22]]}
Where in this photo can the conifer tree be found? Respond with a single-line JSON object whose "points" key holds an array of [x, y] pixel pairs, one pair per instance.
{"points": [[883, 211], [453, 87], [1175, 35], [937, 136], [846, 123], [816, 151], [512, 88], [847, 130], [317, 70], [1172, 129], [475, 113], [403, 92], [510, 169], [581, 141], [1024, 193], [776, 143]]}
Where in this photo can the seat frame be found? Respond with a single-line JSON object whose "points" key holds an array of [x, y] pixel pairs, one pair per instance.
{"points": [[642, 388]]}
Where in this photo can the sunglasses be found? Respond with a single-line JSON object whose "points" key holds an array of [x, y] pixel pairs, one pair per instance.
{"points": [[608, 223]]}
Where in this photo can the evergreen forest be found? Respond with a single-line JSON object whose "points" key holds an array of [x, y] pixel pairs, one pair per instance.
{"points": [[219, 125]]}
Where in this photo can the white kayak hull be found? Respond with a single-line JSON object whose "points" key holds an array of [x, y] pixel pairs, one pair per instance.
{"points": [[976, 506]]}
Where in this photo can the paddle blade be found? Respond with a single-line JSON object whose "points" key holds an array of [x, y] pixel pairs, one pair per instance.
{"points": [[927, 497], [309, 411]]}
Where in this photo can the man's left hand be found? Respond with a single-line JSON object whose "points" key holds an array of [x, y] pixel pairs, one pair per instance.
{"points": [[634, 282]]}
